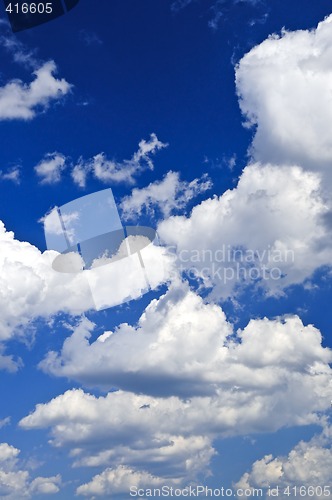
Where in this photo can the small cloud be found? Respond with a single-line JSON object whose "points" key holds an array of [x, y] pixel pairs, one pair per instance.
{"points": [[90, 38], [180, 4], [169, 195], [4, 422], [50, 169], [13, 175], [110, 170]]}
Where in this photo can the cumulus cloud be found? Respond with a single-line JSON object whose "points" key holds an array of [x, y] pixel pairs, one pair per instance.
{"points": [[16, 482], [166, 196], [284, 86], [108, 171], [182, 358], [8, 362], [269, 231], [119, 480], [281, 207], [308, 465], [30, 288], [20, 101], [185, 376], [125, 429], [50, 169], [163, 436], [184, 347]]}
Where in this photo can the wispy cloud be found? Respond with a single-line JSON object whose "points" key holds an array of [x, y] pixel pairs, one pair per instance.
{"points": [[18, 50], [50, 169], [15, 481], [107, 170], [218, 9], [180, 4], [13, 174], [90, 38], [166, 196]]}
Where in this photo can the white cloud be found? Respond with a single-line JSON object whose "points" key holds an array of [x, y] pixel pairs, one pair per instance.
{"points": [[282, 202], [45, 485], [20, 53], [53, 226], [163, 436], [308, 465], [196, 378], [8, 453], [284, 85], [80, 172], [168, 195], [22, 101], [9, 363], [4, 422], [16, 483], [13, 174], [181, 359], [183, 347], [108, 171], [139, 432], [274, 218], [120, 480], [30, 288], [50, 169]]}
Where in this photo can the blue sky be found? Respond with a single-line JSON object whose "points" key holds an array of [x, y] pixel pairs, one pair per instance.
{"points": [[209, 120]]}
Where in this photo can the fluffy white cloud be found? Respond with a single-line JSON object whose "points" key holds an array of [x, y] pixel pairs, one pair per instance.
{"points": [[195, 378], [139, 432], [108, 171], [163, 436], [21, 101], [8, 453], [166, 196], [45, 485], [270, 231], [196, 373], [284, 85], [8, 363], [30, 288], [120, 480], [308, 466], [16, 483], [182, 346], [172, 349], [50, 169]]}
